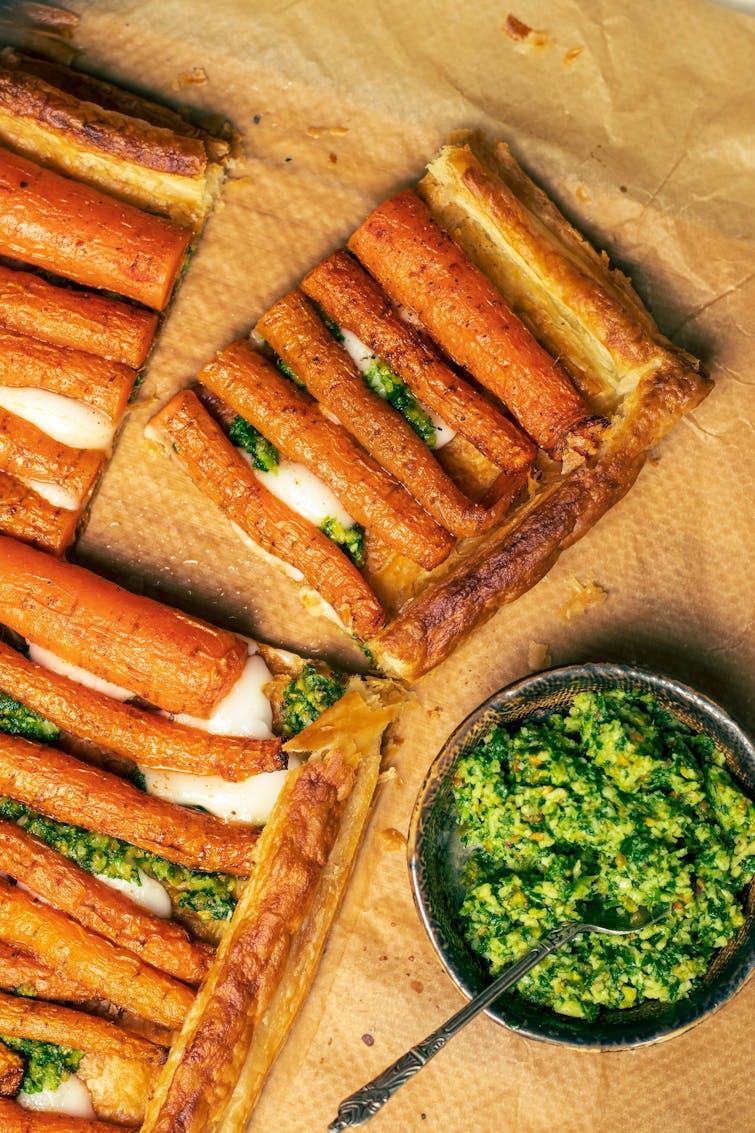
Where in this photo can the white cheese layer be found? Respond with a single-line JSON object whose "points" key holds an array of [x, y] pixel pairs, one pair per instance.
{"points": [[363, 358], [245, 710], [71, 1097], [305, 493], [63, 418], [150, 895], [250, 800], [55, 494], [51, 661]]}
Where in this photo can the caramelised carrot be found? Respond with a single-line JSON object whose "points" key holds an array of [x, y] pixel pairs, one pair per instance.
{"points": [[200, 445], [70, 791], [109, 972], [253, 387], [169, 658], [31, 456], [294, 331], [15, 1119], [79, 320], [146, 737], [76, 232], [99, 907], [26, 363], [11, 1071], [421, 267], [22, 1018], [26, 515], [24, 974], [349, 296]]}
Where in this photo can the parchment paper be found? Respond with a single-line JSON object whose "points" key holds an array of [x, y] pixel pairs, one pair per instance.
{"points": [[638, 118]]}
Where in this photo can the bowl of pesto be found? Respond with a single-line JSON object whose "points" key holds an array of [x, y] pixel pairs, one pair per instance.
{"points": [[596, 782]]}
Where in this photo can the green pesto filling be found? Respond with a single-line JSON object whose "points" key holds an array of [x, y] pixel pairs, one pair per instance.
{"points": [[211, 896], [20, 721], [349, 539], [289, 373], [263, 453], [47, 1065], [616, 802], [386, 384], [307, 697]]}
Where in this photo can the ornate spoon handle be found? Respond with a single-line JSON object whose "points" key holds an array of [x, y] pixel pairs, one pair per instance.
{"points": [[359, 1107]]}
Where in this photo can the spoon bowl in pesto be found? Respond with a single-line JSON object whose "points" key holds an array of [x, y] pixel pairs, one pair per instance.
{"points": [[602, 783]]}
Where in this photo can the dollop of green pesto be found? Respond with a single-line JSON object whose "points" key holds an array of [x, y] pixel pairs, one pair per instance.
{"points": [[386, 384], [308, 695], [18, 720], [211, 896], [47, 1065], [349, 539], [614, 801], [264, 454]]}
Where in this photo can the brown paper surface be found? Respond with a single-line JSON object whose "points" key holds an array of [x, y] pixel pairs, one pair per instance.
{"points": [[638, 120]]}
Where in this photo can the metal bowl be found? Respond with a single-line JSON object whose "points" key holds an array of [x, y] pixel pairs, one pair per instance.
{"points": [[436, 860]]}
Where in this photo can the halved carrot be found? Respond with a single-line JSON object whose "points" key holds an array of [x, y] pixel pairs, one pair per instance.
{"points": [[70, 791], [99, 907], [15, 1119], [76, 232], [24, 974], [30, 455], [294, 331], [22, 1018], [146, 737], [79, 320], [167, 657], [421, 267], [26, 515], [200, 445], [289, 418], [27, 363], [349, 296], [109, 972]]}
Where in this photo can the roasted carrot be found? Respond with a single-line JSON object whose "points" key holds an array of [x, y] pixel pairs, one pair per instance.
{"points": [[75, 231], [294, 331], [70, 791], [217, 467], [31, 456], [421, 267], [15, 1119], [146, 737], [349, 296], [99, 907], [109, 972], [169, 658], [11, 1071], [289, 418], [27, 363], [23, 973], [22, 1018], [79, 320], [26, 515]]}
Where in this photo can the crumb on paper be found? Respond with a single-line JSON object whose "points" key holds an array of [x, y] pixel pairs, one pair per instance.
{"points": [[193, 78], [332, 131], [523, 35], [368, 1040], [390, 775], [538, 655], [572, 54], [581, 193], [333, 158], [583, 595], [392, 839], [417, 985]]}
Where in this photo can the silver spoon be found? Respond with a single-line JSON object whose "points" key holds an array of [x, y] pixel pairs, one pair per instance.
{"points": [[359, 1107]]}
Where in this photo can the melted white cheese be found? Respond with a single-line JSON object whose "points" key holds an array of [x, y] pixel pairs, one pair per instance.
{"points": [[245, 710], [305, 493], [56, 494], [63, 418], [71, 1097], [150, 895], [363, 358], [250, 800], [50, 660]]}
